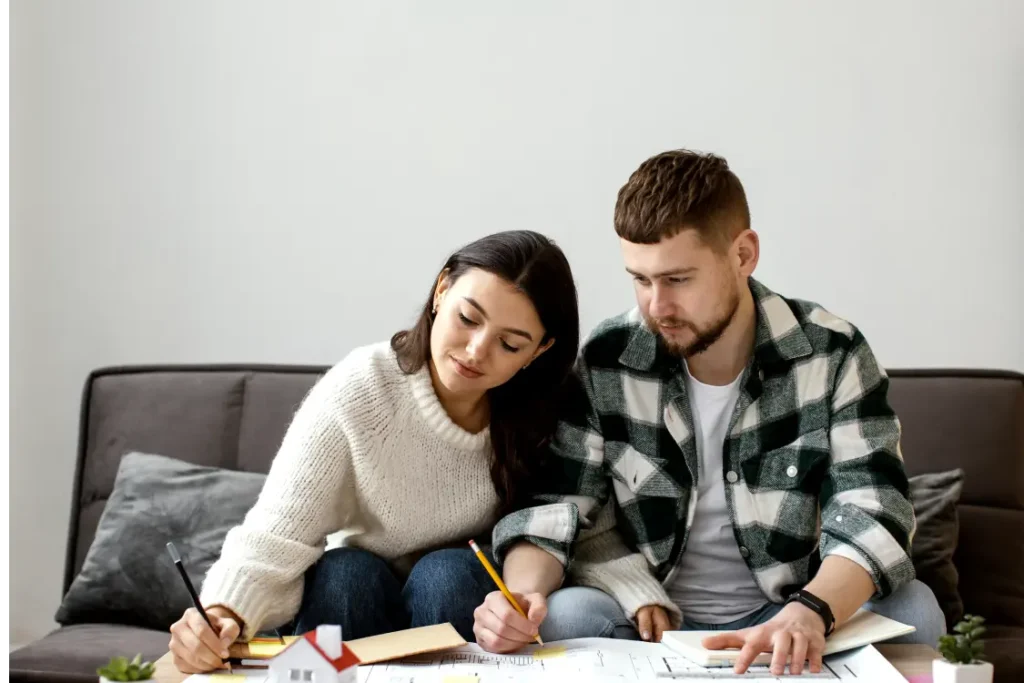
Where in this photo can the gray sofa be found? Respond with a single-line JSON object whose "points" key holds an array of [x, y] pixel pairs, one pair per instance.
{"points": [[234, 417]]}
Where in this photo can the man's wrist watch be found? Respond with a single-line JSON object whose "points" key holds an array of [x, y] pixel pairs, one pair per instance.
{"points": [[816, 605]]}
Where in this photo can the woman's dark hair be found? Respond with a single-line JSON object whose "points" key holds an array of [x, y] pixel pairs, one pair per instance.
{"points": [[524, 411]]}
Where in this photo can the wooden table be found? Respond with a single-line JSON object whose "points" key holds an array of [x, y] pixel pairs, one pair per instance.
{"points": [[909, 660]]}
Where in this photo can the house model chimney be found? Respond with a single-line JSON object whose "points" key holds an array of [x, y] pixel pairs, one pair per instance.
{"points": [[328, 639]]}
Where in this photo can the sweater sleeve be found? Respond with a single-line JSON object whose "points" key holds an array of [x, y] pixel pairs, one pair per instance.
{"points": [[603, 561], [259, 575]]}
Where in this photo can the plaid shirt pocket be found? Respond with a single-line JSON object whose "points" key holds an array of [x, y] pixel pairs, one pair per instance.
{"points": [[797, 466], [777, 505]]}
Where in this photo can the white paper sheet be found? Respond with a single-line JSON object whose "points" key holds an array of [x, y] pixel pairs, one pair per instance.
{"points": [[593, 659], [599, 659]]}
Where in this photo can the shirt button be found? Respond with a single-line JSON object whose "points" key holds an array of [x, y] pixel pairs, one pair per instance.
{"points": [[839, 518], [791, 470], [731, 476], [744, 552]]}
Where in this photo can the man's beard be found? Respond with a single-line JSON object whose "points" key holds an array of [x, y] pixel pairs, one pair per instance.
{"points": [[703, 338]]}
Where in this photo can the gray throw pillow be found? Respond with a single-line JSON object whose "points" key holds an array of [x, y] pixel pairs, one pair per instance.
{"points": [[128, 576], [934, 497]]}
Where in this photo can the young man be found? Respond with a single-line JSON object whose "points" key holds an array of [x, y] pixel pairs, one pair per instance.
{"points": [[729, 460]]}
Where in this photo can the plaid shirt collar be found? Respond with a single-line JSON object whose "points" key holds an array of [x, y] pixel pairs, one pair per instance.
{"points": [[778, 337]]}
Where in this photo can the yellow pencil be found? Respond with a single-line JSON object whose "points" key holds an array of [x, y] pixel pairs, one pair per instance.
{"points": [[501, 584]]}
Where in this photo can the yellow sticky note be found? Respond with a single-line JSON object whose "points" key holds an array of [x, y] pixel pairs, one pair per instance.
{"points": [[264, 649], [227, 677], [549, 652], [460, 679]]}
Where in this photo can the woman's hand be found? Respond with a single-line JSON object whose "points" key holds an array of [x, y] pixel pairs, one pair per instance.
{"points": [[652, 621], [500, 628], [196, 647]]}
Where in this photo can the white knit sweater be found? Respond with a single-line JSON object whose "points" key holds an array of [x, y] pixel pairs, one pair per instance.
{"points": [[372, 455]]}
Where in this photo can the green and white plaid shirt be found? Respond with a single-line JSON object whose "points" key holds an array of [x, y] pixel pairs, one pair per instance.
{"points": [[812, 461]]}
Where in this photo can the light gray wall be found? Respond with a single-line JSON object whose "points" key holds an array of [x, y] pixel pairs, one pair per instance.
{"points": [[243, 181]]}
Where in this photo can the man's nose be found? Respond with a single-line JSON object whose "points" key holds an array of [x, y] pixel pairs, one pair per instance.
{"points": [[660, 305]]}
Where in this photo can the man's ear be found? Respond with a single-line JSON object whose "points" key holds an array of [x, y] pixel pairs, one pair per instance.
{"points": [[747, 250]]}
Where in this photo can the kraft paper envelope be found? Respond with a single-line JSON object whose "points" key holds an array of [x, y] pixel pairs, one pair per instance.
{"points": [[413, 641]]}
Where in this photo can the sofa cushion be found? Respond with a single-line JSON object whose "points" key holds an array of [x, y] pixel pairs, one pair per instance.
{"points": [[191, 416], [934, 497], [73, 653], [128, 576], [968, 421], [990, 561], [1004, 647]]}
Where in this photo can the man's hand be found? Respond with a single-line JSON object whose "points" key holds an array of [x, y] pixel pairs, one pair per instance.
{"points": [[796, 629], [196, 647], [652, 621], [500, 628]]}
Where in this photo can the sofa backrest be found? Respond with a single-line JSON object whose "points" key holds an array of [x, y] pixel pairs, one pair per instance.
{"points": [[235, 417], [226, 416], [974, 420]]}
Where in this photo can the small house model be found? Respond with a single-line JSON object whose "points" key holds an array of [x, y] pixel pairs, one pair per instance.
{"points": [[319, 656]]}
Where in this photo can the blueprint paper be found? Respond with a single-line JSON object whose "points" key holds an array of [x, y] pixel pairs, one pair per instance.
{"points": [[590, 659]]}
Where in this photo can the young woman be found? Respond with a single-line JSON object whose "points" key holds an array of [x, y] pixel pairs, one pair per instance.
{"points": [[406, 449]]}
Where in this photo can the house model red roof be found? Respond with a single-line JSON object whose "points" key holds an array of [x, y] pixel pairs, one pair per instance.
{"points": [[346, 660]]}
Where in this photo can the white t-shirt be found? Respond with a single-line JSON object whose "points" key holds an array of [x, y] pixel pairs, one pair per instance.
{"points": [[712, 583]]}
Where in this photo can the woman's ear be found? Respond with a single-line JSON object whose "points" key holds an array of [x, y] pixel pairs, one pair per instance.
{"points": [[541, 349], [443, 283]]}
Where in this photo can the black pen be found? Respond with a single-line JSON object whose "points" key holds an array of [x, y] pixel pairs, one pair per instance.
{"points": [[176, 558]]}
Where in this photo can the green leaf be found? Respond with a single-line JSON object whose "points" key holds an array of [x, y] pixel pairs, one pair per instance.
{"points": [[138, 660], [962, 627]]}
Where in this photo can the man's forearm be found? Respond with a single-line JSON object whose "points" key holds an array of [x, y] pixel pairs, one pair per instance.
{"points": [[528, 569], [843, 584]]}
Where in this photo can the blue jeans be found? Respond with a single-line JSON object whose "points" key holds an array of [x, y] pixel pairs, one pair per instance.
{"points": [[357, 590], [588, 613]]}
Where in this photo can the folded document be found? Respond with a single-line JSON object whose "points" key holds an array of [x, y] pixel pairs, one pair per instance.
{"points": [[863, 628]]}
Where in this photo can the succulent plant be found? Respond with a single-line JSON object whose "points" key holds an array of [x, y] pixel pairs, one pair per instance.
{"points": [[120, 669], [966, 647]]}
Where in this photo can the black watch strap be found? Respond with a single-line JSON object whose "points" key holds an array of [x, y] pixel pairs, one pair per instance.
{"points": [[816, 604]]}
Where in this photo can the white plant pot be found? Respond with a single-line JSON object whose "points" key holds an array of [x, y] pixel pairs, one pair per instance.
{"points": [[944, 672]]}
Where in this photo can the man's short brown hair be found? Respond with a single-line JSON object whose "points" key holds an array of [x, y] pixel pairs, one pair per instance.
{"points": [[682, 190]]}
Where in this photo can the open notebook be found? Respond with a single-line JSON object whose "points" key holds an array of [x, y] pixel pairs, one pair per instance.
{"points": [[863, 628]]}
